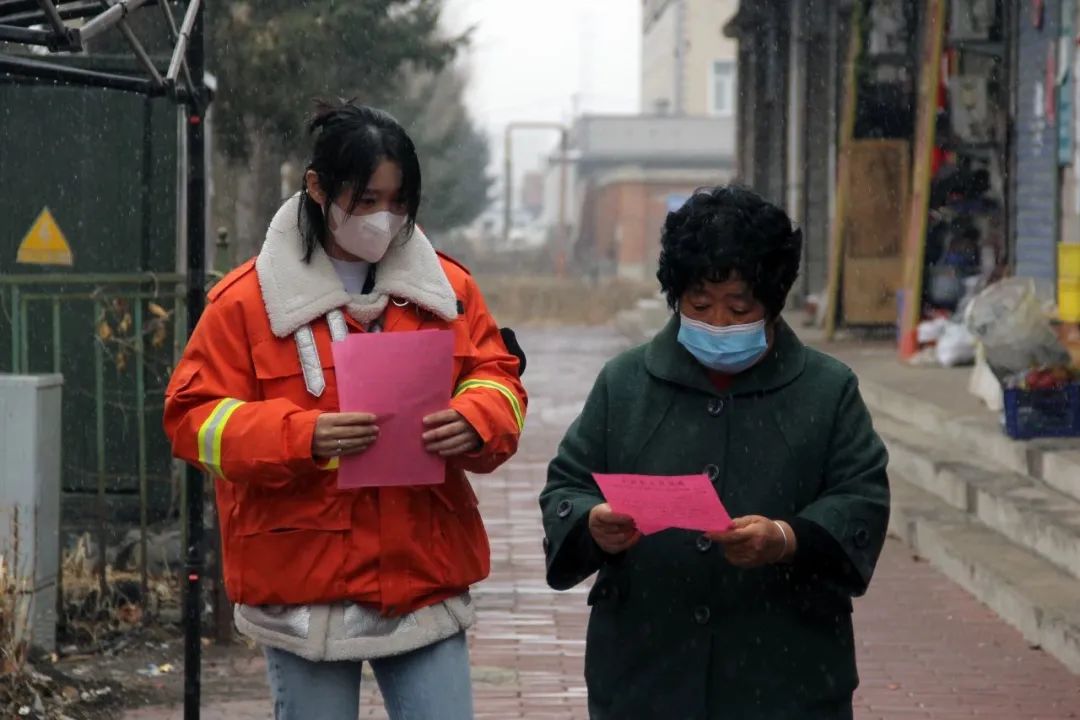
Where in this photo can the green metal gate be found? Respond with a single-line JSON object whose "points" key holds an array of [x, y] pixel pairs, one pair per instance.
{"points": [[104, 164]]}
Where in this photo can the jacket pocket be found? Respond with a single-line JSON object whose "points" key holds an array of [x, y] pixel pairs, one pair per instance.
{"points": [[606, 643], [291, 550], [459, 543], [464, 349], [456, 495], [183, 375], [276, 363]]}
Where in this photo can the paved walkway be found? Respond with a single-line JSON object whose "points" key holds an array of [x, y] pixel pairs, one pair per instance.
{"points": [[926, 648]]}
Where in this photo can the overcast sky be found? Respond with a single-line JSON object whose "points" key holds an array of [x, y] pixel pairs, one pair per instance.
{"points": [[529, 58]]}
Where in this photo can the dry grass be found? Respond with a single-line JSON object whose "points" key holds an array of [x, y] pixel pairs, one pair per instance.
{"points": [[523, 300], [16, 677], [94, 620], [14, 618], [32, 686]]}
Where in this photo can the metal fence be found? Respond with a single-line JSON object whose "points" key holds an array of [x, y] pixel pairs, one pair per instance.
{"points": [[115, 338]]}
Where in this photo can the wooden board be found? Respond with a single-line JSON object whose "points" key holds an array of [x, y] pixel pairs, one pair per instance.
{"points": [[873, 233], [847, 132], [870, 286], [877, 198], [915, 230]]}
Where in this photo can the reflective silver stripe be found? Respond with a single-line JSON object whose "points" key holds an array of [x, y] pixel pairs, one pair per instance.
{"points": [[339, 329], [309, 361]]}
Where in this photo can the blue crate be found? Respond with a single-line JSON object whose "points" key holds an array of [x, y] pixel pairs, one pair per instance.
{"points": [[1033, 414]]}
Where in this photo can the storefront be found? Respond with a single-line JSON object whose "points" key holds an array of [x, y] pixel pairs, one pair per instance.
{"points": [[924, 146]]}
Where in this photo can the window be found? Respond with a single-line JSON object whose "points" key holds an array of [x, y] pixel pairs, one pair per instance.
{"points": [[722, 88]]}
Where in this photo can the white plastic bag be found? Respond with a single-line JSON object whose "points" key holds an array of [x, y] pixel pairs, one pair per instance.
{"points": [[956, 346], [984, 384], [930, 331], [1009, 322]]}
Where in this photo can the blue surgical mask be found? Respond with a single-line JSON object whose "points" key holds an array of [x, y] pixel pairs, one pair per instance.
{"points": [[729, 350]]}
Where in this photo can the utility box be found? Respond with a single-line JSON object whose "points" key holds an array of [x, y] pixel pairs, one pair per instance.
{"points": [[30, 451]]}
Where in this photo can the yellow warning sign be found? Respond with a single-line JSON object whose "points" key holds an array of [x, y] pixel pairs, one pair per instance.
{"points": [[45, 244]]}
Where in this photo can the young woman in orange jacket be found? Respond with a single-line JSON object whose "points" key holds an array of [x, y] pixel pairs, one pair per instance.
{"points": [[324, 578]]}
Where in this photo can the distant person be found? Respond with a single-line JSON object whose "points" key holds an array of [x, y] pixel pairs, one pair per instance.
{"points": [[324, 578], [753, 623]]}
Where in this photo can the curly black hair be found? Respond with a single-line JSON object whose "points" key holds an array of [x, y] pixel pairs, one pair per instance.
{"points": [[729, 231]]}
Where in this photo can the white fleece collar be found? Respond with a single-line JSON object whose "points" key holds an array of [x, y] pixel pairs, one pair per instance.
{"points": [[296, 293]]}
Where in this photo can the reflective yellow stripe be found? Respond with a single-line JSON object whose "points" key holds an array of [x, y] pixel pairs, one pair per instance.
{"points": [[506, 392], [211, 432]]}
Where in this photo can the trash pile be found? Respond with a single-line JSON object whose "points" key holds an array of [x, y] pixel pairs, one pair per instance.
{"points": [[38, 695], [949, 343], [1021, 366], [947, 339]]}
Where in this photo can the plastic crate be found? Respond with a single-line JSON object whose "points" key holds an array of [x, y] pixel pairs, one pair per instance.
{"points": [[1042, 413]]}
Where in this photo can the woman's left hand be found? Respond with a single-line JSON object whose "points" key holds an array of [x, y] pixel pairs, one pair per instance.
{"points": [[755, 541], [449, 434]]}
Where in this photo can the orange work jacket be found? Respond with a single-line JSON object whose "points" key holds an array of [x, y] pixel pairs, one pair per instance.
{"points": [[238, 405]]}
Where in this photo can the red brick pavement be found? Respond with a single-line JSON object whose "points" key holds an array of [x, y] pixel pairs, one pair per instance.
{"points": [[927, 649]]}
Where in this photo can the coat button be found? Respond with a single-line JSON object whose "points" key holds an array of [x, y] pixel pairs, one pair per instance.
{"points": [[862, 537], [704, 543], [702, 615], [564, 508], [716, 406], [712, 471]]}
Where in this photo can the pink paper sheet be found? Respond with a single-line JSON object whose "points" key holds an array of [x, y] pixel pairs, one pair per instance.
{"points": [[401, 378], [657, 503]]}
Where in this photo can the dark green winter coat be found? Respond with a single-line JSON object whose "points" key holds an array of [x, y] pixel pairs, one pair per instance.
{"points": [[676, 633]]}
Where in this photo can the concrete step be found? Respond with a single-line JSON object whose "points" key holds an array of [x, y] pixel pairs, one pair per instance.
{"points": [[1025, 510], [1055, 462], [1024, 589]]}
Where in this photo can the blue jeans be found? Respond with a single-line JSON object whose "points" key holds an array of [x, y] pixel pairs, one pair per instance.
{"points": [[431, 683]]}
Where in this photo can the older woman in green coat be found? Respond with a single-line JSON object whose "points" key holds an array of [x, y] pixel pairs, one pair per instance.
{"points": [[754, 622]]}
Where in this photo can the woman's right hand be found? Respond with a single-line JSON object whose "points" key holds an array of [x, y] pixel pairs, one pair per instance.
{"points": [[614, 533], [343, 434]]}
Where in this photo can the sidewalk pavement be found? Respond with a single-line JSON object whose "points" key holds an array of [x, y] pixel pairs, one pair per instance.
{"points": [[926, 648]]}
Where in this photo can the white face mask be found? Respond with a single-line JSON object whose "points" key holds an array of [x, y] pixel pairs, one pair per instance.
{"points": [[365, 236]]}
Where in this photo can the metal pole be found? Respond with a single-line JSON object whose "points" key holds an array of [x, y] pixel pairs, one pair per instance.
{"points": [[796, 139], [107, 19], [99, 437], [508, 182], [24, 329], [174, 34], [146, 205], [37, 69], [64, 36], [196, 298], [15, 335], [184, 38], [564, 147], [140, 344], [508, 171], [141, 54], [57, 351], [52, 16], [92, 279], [144, 490], [25, 14], [27, 36]]}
